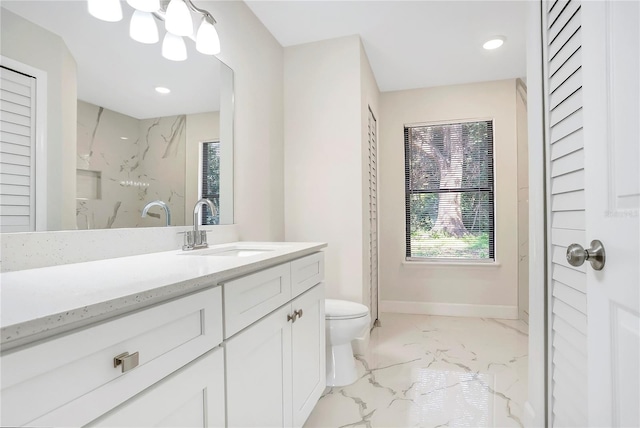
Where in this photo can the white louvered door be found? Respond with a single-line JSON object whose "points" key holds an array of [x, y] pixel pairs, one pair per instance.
{"points": [[567, 288], [17, 148], [373, 217], [611, 61], [592, 57]]}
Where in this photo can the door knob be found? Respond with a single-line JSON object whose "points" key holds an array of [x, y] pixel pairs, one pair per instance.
{"points": [[576, 255]]}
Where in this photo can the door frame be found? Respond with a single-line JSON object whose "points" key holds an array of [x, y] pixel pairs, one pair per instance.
{"points": [[536, 407]]}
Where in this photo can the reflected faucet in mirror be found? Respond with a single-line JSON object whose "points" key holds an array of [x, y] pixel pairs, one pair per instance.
{"points": [[194, 239], [160, 204]]}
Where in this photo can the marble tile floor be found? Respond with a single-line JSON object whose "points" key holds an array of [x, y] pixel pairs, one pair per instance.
{"points": [[434, 371]]}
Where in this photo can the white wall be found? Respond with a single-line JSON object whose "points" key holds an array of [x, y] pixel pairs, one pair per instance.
{"points": [[452, 289], [328, 86], [323, 171], [257, 61], [34, 46]]}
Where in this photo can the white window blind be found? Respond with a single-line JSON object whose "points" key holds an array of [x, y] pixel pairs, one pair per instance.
{"points": [[17, 148], [449, 191], [211, 181]]}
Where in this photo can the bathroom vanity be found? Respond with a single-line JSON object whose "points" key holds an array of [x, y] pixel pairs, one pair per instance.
{"points": [[232, 335]]}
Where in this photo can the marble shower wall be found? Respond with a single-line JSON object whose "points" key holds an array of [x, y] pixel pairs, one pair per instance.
{"points": [[138, 161]]}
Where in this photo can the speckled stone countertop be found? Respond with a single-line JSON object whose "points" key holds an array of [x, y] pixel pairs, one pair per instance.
{"points": [[37, 303]]}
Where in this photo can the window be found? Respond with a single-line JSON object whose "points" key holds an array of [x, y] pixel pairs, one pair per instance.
{"points": [[449, 191], [210, 181]]}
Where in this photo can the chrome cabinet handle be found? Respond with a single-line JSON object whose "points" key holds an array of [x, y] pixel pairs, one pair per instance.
{"points": [[127, 361], [576, 255], [292, 318], [298, 312]]}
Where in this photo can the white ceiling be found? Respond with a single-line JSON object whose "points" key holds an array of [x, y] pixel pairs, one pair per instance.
{"points": [[119, 73], [411, 44]]}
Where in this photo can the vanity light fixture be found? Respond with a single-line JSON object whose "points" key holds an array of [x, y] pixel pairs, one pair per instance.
{"points": [[494, 43], [207, 40], [173, 47], [178, 19], [162, 90], [145, 5], [106, 10], [143, 27]]}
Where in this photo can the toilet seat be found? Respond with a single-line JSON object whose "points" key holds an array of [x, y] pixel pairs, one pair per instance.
{"points": [[344, 310]]}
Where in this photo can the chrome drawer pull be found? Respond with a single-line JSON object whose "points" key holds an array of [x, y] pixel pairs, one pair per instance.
{"points": [[127, 361]]}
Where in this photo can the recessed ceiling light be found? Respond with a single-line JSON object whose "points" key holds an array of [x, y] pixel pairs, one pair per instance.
{"points": [[494, 42], [162, 90], [124, 138]]}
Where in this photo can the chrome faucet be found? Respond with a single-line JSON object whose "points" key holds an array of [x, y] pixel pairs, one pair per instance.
{"points": [[160, 204], [195, 238]]}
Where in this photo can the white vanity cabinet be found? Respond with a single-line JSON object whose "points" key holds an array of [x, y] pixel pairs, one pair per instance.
{"points": [[276, 366], [247, 352], [72, 379]]}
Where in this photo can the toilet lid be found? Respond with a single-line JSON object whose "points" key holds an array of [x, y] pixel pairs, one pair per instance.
{"points": [[342, 309]]}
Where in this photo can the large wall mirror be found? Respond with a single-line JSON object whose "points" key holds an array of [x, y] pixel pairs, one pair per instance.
{"points": [[134, 145]]}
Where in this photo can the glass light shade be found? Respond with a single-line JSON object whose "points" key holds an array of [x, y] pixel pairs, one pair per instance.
{"points": [[178, 19], [173, 48], [207, 40], [143, 28], [106, 10], [145, 5]]}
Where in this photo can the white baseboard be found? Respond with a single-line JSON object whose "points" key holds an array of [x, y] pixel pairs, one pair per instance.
{"points": [[450, 309]]}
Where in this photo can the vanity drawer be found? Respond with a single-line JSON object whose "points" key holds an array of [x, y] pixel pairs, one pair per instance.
{"points": [[48, 378], [306, 272], [251, 297]]}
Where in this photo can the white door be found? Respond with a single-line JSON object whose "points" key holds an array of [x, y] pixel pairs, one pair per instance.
{"points": [[308, 353], [259, 373], [611, 52], [373, 217], [17, 152]]}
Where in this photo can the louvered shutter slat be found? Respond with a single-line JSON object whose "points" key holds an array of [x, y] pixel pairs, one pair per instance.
{"points": [[17, 140]]}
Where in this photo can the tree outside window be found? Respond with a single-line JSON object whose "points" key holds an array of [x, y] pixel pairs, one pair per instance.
{"points": [[211, 181], [450, 191]]}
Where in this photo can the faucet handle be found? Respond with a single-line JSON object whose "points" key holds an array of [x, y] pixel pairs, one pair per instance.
{"points": [[203, 238], [189, 240]]}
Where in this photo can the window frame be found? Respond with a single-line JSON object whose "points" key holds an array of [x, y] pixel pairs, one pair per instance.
{"points": [[408, 259]]}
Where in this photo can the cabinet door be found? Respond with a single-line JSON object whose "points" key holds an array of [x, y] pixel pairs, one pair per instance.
{"points": [[191, 397], [259, 373], [308, 353]]}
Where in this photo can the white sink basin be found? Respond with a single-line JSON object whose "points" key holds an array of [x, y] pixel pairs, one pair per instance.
{"points": [[235, 251]]}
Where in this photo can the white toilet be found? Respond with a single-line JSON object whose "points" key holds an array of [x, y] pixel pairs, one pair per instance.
{"points": [[344, 322]]}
